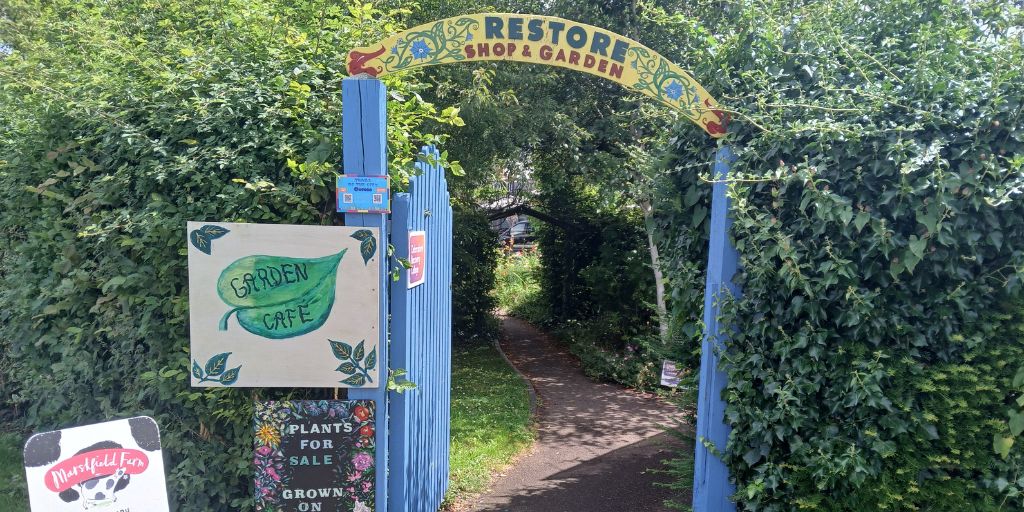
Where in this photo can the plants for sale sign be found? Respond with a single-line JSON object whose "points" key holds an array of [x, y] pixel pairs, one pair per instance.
{"points": [[283, 306], [115, 466], [315, 455]]}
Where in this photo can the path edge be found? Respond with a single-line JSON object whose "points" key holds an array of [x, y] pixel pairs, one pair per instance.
{"points": [[529, 384]]}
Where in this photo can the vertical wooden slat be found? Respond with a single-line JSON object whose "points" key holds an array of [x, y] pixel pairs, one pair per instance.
{"points": [[711, 486], [421, 344], [364, 145]]}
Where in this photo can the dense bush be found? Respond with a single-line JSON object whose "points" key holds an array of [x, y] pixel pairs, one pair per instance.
{"points": [[517, 289], [880, 225], [474, 259], [119, 122]]}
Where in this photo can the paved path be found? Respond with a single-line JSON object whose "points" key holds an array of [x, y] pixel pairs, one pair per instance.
{"points": [[595, 441]]}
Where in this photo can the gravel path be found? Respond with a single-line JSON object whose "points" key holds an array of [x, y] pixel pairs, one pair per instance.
{"points": [[595, 441]]}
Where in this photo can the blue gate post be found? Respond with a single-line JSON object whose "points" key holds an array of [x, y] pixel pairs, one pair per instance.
{"points": [[364, 144], [711, 486]]}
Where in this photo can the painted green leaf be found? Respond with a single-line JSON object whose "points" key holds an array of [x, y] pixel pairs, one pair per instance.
{"points": [[261, 281], [346, 368], [368, 245], [197, 371], [212, 232], [203, 237], [294, 318], [360, 351], [363, 234], [279, 297], [215, 366], [367, 249], [199, 241], [355, 380], [371, 359], [341, 350], [230, 376]]}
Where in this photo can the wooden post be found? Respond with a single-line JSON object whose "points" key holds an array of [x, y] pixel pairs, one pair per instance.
{"points": [[711, 486], [364, 144]]}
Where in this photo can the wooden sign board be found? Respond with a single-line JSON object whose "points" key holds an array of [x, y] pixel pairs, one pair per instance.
{"points": [[283, 306], [417, 258], [115, 466], [315, 455], [543, 40]]}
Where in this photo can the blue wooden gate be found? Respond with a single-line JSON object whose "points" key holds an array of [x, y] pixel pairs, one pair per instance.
{"points": [[413, 428], [421, 343]]}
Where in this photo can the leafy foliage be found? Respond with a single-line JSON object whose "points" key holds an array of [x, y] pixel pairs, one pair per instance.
{"points": [[517, 288], [880, 227], [119, 122], [474, 258]]}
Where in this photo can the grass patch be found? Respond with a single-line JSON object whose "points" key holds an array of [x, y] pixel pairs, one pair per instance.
{"points": [[490, 418], [13, 497]]}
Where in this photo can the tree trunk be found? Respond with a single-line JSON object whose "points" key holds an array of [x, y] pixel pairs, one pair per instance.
{"points": [[659, 282]]}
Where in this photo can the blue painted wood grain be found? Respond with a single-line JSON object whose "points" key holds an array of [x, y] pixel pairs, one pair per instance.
{"points": [[421, 344], [364, 147], [711, 486]]}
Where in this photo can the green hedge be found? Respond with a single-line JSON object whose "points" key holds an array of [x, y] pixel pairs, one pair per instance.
{"points": [[474, 261], [880, 224], [119, 122]]}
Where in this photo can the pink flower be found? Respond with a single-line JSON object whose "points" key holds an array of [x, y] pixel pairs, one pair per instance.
{"points": [[362, 461], [355, 476], [273, 474], [263, 451], [366, 486]]}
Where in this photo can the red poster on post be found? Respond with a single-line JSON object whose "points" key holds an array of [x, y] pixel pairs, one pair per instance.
{"points": [[417, 258]]}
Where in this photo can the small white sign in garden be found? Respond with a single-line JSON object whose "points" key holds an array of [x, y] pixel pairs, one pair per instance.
{"points": [[283, 306], [114, 466]]}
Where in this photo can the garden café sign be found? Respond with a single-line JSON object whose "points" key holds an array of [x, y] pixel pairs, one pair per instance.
{"points": [[543, 40]]}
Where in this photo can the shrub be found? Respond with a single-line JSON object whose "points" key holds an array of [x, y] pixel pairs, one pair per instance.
{"points": [[517, 289], [120, 121], [880, 226], [474, 259]]}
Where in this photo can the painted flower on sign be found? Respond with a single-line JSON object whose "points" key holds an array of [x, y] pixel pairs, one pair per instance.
{"points": [[268, 436], [362, 461], [674, 90], [361, 413], [419, 49]]}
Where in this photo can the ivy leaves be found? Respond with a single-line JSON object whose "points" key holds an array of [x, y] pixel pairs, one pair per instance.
{"points": [[278, 297], [215, 370], [356, 363], [203, 237], [368, 245]]}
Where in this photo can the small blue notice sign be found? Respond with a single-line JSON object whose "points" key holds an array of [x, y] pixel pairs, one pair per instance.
{"points": [[363, 194]]}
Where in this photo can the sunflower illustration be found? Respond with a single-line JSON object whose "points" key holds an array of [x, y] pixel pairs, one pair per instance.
{"points": [[268, 435]]}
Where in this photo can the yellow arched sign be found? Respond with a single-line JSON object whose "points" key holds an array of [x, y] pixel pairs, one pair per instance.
{"points": [[543, 40]]}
